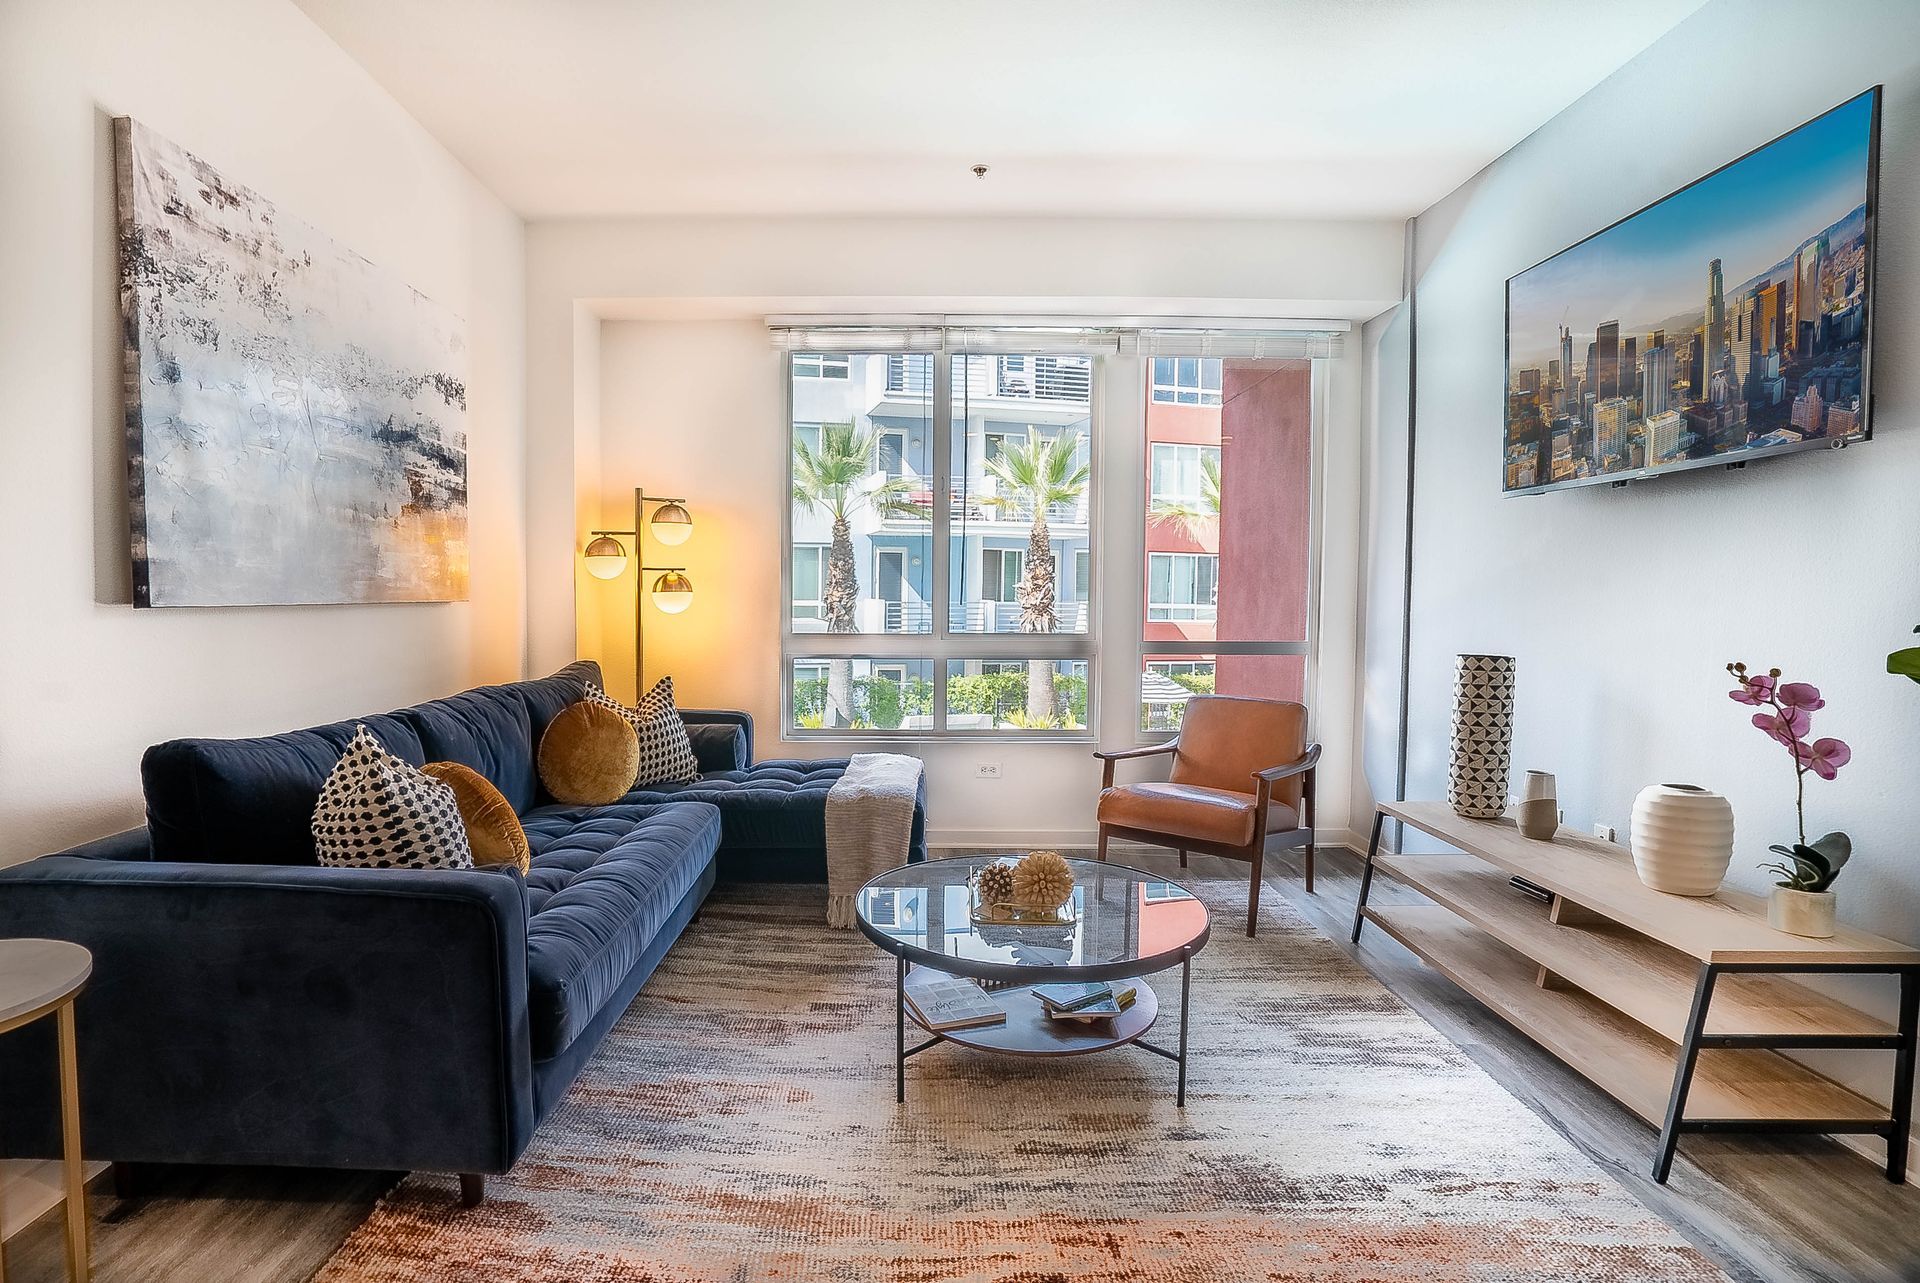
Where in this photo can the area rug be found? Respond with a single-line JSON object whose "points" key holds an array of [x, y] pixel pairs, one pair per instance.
{"points": [[739, 1125]]}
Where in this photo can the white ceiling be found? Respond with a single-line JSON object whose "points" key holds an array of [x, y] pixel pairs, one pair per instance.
{"points": [[1290, 108]]}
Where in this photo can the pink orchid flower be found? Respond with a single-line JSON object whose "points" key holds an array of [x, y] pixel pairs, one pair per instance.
{"points": [[1801, 695], [1788, 727], [1754, 690], [1824, 757]]}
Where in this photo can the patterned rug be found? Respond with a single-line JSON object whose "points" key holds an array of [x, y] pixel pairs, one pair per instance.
{"points": [[739, 1125]]}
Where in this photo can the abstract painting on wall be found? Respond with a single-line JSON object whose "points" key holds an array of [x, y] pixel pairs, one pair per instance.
{"points": [[295, 415]]}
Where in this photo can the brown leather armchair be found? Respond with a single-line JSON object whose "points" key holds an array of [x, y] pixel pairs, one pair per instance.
{"points": [[1242, 780]]}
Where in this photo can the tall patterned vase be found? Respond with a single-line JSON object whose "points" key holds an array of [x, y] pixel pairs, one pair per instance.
{"points": [[1477, 772]]}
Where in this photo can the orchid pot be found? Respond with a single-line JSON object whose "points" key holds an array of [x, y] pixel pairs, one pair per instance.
{"points": [[1801, 913]]}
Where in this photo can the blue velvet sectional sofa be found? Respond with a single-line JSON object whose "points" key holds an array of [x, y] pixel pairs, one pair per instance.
{"points": [[250, 1007]]}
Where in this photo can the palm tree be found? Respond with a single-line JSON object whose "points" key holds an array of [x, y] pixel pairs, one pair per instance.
{"points": [[1194, 514], [1042, 472], [838, 477]]}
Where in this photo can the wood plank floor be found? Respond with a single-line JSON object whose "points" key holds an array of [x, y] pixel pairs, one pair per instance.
{"points": [[1769, 1210]]}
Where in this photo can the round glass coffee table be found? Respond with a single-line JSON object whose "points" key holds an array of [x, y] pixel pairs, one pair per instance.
{"points": [[1126, 924]]}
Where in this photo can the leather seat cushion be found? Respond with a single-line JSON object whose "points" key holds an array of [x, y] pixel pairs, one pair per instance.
{"points": [[1191, 811]]}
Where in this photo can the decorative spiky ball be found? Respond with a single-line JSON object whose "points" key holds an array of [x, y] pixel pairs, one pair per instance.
{"points": [[995, 883], [1042, 880]]}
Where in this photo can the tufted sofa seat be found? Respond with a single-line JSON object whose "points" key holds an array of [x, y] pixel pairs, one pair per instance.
{"points": [[773, 817], [604, 882]]}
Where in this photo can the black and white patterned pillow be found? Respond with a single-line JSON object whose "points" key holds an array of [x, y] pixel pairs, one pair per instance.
{"points": [[666, 750], [376, 811]]}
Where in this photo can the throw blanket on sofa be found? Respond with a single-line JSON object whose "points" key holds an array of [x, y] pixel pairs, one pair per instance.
{"points": [[869, 826]]}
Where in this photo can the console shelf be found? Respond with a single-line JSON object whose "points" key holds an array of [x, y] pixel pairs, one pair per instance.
{"points": [[1672, 1005]]}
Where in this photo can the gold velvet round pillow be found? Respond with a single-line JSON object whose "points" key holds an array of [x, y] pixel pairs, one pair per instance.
{"points": [[493, 830], [589, 755]]}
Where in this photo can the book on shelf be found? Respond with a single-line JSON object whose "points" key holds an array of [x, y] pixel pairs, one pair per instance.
{"points": [[942, 1002], [1088, 1003]]}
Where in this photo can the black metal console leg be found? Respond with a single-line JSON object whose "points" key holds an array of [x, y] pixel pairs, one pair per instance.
{"points": [[1683, 1072], [899, 1029], [1366, 874], [1186, 984], [1898, 1137]]}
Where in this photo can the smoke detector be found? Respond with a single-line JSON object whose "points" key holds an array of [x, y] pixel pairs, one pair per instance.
{"points": [[979, 171]]}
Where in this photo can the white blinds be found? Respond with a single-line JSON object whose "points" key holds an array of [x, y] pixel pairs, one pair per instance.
{"points": [[1275, 344], [1314, 339]]}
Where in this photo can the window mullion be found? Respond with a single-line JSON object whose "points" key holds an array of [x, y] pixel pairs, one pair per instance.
{"points": [[939, 546]]}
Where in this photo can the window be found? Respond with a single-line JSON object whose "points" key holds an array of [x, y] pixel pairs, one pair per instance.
{"points": [[1000, 574], [815, 365], [1186, 380], [906, 607], [1226, 582], [1180, 474], [809, 573], [1181, 585]]}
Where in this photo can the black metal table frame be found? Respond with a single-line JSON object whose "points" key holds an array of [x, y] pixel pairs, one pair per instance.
{"points": [[902, 1052], [1896, 1128]]}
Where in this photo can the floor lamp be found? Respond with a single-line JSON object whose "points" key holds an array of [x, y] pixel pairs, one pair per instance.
{"points": [[672, 592]]}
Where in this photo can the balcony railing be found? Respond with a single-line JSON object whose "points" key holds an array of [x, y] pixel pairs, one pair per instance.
{"points": [[977, 617], [1016, 378]]}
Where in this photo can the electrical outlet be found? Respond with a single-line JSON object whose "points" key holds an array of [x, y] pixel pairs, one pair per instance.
{"points": [[986, 770], [1604, 832]]}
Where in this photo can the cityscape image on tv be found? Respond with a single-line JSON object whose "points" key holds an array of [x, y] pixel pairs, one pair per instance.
{"points": [[1728, 318]]}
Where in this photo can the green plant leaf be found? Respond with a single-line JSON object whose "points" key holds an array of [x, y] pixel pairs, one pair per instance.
{"points": [[1833, 850], [1905, 663]]}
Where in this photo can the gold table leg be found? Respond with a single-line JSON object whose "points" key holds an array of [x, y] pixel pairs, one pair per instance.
{"points": [[77, 1256]]}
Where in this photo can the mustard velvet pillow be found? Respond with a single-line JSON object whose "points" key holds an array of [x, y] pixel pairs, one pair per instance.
{"points": [[589, 755], [493, 830]]}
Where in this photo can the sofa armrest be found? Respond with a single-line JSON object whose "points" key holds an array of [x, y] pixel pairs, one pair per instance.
{"points": [[722, 737], [357, 1018]]}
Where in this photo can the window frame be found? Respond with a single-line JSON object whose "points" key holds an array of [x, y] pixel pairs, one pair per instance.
{"points": [[945, 643]]}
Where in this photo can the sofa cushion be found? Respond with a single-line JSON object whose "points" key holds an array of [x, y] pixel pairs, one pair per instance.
{"points": [[487, 730], [377, 812], [718, 746], [771, 804], [603, 882], [589, 755], [250, 801], [493, 830]]}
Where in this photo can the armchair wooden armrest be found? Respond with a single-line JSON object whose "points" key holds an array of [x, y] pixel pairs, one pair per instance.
{"points": [[1298, 766], [1123, 754]]}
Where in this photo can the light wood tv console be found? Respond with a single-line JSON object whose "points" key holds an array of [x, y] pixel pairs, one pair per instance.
{"points": [[1675, 1006]]}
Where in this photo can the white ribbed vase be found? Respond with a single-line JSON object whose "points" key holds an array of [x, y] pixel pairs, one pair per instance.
{"points": [[1682, 838]]}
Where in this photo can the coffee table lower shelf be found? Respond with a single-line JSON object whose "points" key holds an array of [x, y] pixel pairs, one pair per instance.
{"points": [[1745, 1089], [1029, 1031]]}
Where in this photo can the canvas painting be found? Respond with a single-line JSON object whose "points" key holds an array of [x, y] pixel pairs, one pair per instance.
{"points": [[295, 414]]}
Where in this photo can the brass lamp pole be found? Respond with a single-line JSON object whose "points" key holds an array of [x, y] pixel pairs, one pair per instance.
{"points": [[672, 592]]}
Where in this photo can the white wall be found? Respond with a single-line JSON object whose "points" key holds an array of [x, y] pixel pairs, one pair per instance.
{"points": [[690, 401], [1622, 606], [251, 86]]}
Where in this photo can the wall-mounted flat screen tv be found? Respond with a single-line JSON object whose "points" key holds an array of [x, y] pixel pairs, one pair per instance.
{"points": [[1724, 323]]}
